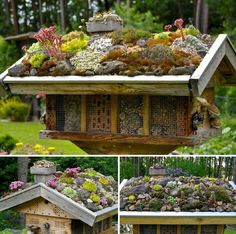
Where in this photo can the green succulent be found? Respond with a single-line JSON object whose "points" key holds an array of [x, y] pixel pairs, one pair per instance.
{"points": [[196, 187], [69, 192], [103, 180], [171, 200], [67, 180], [90, 186], [95, 198], [37, 59], [171, 184], [146, 178], [157, 187], [131, 197]]}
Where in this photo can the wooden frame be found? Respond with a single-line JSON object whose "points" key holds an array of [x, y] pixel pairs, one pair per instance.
{"points": [[72, 208]]}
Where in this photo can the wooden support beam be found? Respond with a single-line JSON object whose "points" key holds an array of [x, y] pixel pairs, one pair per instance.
{"points": [[136, 229], [158, 229], [220, 229], [83, 113], [199, 229], [114, 111], [146, 115], [178, 229], [119, 138]]}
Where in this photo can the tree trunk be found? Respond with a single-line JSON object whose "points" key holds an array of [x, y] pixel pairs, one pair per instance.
{"points": [[62, 10], [128, 3], [234, 170], [204, 17], [40, 13], [6, 5], [15, 17]]}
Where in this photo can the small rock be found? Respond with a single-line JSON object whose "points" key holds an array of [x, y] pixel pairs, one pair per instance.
{"points": [[33, 72], [64, 67], [17, 70], [92, 206], [109, 67]]}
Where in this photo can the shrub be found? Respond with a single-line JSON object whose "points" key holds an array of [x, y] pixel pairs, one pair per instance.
{"points": [[7, 143], [14, 109]]}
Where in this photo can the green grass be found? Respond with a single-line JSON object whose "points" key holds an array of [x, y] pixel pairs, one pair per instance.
{"points": [[28, 133], [227, 231]]}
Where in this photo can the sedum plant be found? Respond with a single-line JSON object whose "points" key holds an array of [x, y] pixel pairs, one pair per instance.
{"points": [[90, 186], [95, 198], [69, 192]]}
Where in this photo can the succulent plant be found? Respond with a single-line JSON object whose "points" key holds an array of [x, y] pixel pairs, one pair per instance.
{"points": [[157, 187], [104, 180], [131, 197], [171, 200], [72, 171], [66, 179], [52, 182], [37, 59], [171, 184], [16, 185], [75, 45], [146, 178], [95, 198], [69, 192], [102, 45], [90, 186]]}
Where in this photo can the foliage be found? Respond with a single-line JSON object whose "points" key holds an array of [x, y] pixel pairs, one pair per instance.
{"points": [[95, 198], [72, 171], [139, 20], [8, 220], [7, 143], [52, 183], [14, 109], [66, 179], [157, 187], [90, 186], [131, 197], [50, 41], [37, 59], [8, 54], [104, 180], [69, 192]]}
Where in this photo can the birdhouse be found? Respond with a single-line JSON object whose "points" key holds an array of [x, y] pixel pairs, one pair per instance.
{"points": [[50, 211], [147, 113], [167, 222]]}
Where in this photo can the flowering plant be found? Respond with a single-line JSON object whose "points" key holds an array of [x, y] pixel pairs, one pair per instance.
{"points": [[52, 182], [168, 27], [16, 185], [51, 42], [72, 171], [179, 24], [103, 201]]}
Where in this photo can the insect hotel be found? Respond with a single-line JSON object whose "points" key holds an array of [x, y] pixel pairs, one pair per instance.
{"points": [[127, 91], [49, 211], [175, 221]]}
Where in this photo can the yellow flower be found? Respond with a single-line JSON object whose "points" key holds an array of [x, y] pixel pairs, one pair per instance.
{"points": [[37, 147], [51, 149], [45, 152], [19, 144]]}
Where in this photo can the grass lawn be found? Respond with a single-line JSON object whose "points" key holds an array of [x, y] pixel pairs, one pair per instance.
{"points": [[227, 231], [28, 133]]}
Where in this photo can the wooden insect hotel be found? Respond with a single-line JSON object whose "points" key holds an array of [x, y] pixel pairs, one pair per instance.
{"points": [[155, 222], [144, 114], [49, 211]]}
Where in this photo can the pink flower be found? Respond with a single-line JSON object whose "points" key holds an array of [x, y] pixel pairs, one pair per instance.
{"points": [[72, 171], [103, 201], [179, 23], [16, 185], [168, 27], [52, 183]]}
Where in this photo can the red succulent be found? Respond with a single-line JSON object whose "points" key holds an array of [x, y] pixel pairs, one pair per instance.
{"points": [[50, 41], [179, 24]]}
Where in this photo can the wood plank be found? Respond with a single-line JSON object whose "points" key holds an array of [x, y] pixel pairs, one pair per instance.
{"points": [[220, 229], [158, 229], [199, 229], [57, 225], [231, 54], [146, 114], [208, 66], [114, 111], [40, 206], [83, 118], [178, 218], [106, 213], [99, 88], [178, 229], [136, 229], [111, 148], [118, 138]]}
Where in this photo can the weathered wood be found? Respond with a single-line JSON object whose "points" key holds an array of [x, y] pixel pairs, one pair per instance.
{"points": [[220, 229], [40, 206], [114, 111], [136, 229], [57, 225], [110, 148], [199, 229], [146, 115], [83, 117], [178, 218], [208, 66], [99, 88], [178, 229], [119, 138]]}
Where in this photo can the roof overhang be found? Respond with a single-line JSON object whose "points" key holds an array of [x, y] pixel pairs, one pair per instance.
{"points": [[71, 207]]}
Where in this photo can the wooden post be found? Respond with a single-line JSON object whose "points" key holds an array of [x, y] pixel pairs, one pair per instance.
{"points": [[220, 229], [199, 229], [136, 229], [234, 170], [113, 113], [178, 229], [158, 229], [83, 114], [146, 115]]}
